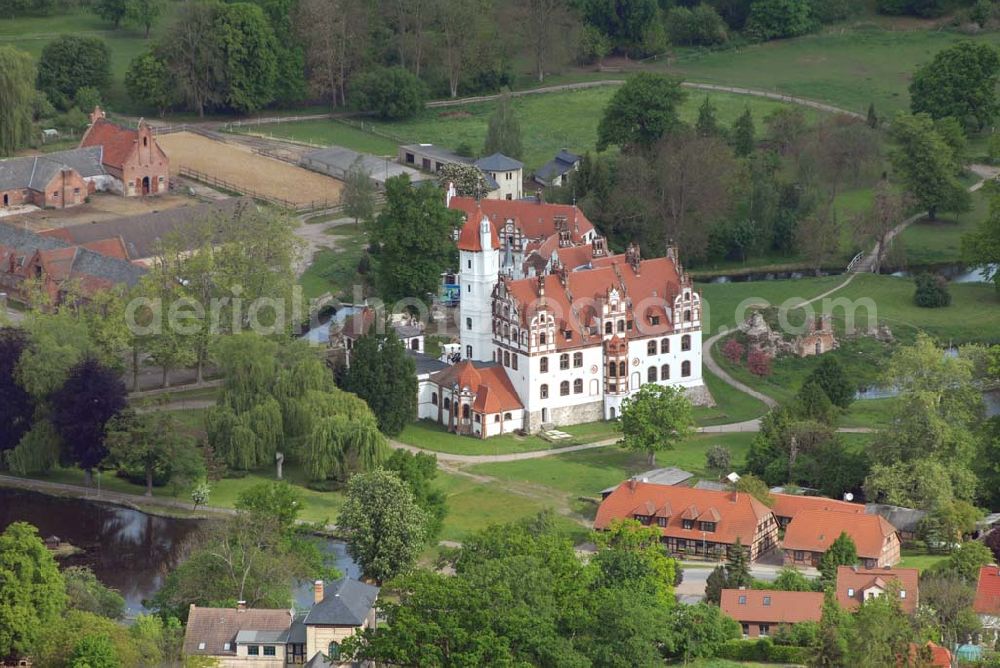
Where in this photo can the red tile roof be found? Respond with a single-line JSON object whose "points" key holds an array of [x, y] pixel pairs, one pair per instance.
{"points": [[535, 220], [111, 247], [781, 607], [469, 239], [940, 656], [739, 514], [858, 579], [788, 505], [987, 601], [494, 393], [118, 142], [814, 530]]}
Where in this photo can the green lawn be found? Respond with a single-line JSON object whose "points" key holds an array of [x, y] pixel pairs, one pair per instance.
{"points": [[731, 405], [32, 33], [936, 242], [587, 472], [725, 302], [432, 436], [326, 132], [336, 270], [549, 122], [916, 556], [871, 413], [848, 67]]}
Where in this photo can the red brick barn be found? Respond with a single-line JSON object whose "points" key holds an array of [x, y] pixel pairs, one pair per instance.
{"points": [[133, 157]]}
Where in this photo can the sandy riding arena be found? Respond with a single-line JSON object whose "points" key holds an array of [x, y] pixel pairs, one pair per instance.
{"points": [[249, 171]]}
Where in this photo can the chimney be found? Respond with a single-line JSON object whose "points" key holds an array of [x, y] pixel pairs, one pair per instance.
{"points": [[734, 497], [241, 606], [317, 592]]}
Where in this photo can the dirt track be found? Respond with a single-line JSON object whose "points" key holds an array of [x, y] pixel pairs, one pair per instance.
{"points": [[248, 170]]}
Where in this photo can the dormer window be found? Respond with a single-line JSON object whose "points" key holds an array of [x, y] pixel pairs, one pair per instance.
{"points": [[662, 521], [568, 335], [743, 600], [767, 600], [850, 591], [706, 526], [688, 524], [654, 320]]}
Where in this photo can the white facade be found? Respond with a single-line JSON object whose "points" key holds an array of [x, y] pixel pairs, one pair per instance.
{"points": [[509, 184], [477, 277]]}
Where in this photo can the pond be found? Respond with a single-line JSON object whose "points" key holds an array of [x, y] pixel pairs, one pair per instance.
{"points": [[128, 550], [991, 398]]}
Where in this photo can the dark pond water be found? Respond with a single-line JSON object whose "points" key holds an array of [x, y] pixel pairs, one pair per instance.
{"points": [[128, 550]]}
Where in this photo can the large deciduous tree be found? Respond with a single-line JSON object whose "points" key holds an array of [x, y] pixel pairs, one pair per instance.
{"points": [[503, 132], [384, 376], [461, 25], [392, 93], [81, 408], [149, 82], [414, 234], [249, 55], [960, 82], [192, 52], [981, 247], [641, 112], [152, 444], [17, 76], [383, 525], [926, 165], [335, 34], [71, 62], [877, 225], [358, 196], [656, 418], [32, 591], [16, 405], [546, 28]]}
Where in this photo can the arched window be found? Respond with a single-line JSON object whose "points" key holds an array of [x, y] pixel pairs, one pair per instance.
{"points": [[664, 346], [578, 386], [608, 327], [621, 369], [564, 361], [686, 342], [465, 411], [612, 369], [506, 416], [651, 348], [651, 374], [333, 651], [543, 365], [447, 403], [543, 391], [564, 388], [468, 323], [665, 372], [685, 368], [621, 325], [434, 398]]}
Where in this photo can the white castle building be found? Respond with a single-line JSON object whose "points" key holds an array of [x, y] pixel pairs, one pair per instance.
{"points": [[555, 330]]}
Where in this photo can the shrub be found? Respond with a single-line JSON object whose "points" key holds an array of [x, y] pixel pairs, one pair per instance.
{"points": [[698, 26], [393, 93], [759, 363], [932, 291], [733, 350], [718, 457], [763, 650], [772, 19]]}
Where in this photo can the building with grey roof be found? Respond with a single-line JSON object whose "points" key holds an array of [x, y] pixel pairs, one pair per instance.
{"points": [[60, 179], [670, 475], [555, 170], [336, 161]]}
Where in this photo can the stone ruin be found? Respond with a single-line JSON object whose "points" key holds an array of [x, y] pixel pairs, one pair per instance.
{"points": [[818, 338]]}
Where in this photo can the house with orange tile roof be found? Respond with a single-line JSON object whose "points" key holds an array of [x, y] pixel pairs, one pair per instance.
{"points": [[787, 506], [131, 156], [855, 585], [693, 523], [471, 398], [812, 531], [761, 612], [987, 601]]}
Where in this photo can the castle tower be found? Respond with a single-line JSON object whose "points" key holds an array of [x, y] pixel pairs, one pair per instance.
{"points": [[479, 257]]}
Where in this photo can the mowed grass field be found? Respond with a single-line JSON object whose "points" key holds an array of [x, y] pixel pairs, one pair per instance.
{"points": [[549, 122], [847, 67], [32, 33], [938, 241]]}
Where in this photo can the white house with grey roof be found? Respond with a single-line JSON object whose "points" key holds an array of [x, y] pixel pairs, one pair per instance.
{"points": [[506, 173], [267, 638]]}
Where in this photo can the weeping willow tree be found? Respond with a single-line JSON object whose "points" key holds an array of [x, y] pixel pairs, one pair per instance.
{"points": [[17, 95], [283, 398]]}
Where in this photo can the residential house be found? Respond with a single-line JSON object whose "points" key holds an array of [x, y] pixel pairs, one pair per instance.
{"points": [[132, 156], [59, 268], [787, 506], [267, 638], [761, 612], [855, 585], [471, 398], [812, 531], [506, 173], [55, 180], [693, 522], [558, 169], [409, 330], [987, 601]]}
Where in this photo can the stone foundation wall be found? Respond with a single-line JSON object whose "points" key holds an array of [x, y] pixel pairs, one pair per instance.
{"points": [[699, 395], [567, 415]]}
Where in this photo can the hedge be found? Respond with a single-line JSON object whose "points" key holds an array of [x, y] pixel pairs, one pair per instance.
{"points": [[762, 650]]}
